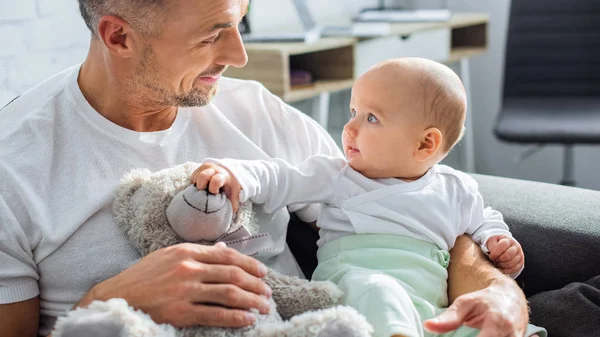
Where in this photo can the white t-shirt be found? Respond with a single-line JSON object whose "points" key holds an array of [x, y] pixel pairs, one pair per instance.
{"points": [[437, 208], [60, 162]]}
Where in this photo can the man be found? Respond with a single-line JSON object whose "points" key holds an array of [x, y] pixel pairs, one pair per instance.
{"points": [[145, 97]]}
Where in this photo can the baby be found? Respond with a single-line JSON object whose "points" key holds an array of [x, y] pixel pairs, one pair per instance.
{"points": [[391, 211]]}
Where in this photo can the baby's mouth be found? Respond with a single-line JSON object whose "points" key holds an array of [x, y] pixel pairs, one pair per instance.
{"points": [[352, 150]]}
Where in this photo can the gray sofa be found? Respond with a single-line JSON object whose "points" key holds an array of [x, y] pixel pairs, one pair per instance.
{"points": [[559, 229]]}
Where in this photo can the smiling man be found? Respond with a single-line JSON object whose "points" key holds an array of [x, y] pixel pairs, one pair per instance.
{"points": [[149, 95]]}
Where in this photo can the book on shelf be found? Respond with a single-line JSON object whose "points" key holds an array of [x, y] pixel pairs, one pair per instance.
{"points": [[370, 23], [403, 15], [359, 30]]}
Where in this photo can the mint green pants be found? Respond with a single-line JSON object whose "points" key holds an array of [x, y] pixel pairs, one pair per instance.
{"points": [[396, 282]]}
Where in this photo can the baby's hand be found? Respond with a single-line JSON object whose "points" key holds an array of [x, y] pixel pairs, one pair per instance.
{"points": [[506, 252], [214, 177]]}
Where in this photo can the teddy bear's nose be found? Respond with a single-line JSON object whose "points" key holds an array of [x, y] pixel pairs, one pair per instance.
{"points": [[203, 200]]}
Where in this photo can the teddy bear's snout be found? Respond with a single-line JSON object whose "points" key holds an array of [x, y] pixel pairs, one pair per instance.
{"points": [[204, 200], [196, 215]]}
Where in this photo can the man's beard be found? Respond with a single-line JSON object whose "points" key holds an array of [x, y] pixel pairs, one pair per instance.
{"points": [[150, 82]]}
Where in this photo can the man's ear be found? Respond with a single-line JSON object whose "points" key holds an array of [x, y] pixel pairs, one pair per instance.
{"points": [[117, 36], [429, 144]]}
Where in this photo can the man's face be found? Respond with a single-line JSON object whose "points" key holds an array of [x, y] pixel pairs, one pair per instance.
{"points": [[182, 65]]}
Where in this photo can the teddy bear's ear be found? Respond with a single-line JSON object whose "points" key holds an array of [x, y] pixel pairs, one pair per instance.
{"points": [[129, 184], [140, 205], [123, 208]]}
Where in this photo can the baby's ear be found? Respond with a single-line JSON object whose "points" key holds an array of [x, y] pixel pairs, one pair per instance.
{"points": [[429, 144]]}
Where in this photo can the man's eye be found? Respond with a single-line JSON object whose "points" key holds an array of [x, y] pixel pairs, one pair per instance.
{"points": [[372, 119], [213, 40]]}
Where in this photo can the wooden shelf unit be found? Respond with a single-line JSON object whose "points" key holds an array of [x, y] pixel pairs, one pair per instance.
{"points": [[332, 60]]}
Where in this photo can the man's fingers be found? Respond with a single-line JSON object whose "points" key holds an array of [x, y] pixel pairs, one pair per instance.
{"points": [[236, 276], [207, 315], [495, 326], [446, 322], [452, 318], [230, 296], [228, 256]]}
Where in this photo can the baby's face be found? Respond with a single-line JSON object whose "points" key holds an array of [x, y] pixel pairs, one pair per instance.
{"points": [[382, 134]]}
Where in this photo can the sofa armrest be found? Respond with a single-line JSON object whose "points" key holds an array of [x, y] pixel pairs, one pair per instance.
{"points": [[558, 227]]}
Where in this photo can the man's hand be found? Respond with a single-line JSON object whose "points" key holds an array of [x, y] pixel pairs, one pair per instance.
{"points": [[499, 310], [507, 254], [214, 177], [190, 284]]}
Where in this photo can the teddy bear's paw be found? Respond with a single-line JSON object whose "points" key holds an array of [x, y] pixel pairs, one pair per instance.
{"points": [[109, 319], [348, 322], [206, 331], [295, 296], [339, 321], [272, 318]]}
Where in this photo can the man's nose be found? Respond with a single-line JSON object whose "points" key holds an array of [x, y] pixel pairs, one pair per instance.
{"points": [[232, 52]]}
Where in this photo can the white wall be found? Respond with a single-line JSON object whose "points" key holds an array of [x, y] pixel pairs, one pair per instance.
{"points": [[38, 38], [41, 37], [279, 15]]}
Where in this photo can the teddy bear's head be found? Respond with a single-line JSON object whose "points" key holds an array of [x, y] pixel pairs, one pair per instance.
{"points": [[160, 209]]}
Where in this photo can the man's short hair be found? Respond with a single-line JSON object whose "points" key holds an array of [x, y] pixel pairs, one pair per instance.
{"points": [[142, 15]]}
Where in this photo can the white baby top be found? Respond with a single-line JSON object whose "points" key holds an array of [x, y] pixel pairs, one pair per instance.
{"points": [[437, 208]]}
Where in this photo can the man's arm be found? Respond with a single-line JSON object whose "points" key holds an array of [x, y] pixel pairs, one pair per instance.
{"points": [[20, 319], [481, 296], [470, 270], [185, 280]]}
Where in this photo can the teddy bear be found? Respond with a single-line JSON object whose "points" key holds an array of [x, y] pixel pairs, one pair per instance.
{"points": [[160, 209]]}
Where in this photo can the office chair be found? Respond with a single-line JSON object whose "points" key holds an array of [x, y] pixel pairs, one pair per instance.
{"points": [[552, 76]]}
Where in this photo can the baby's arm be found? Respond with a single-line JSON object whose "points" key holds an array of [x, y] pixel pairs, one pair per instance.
{"points": [[487, 227], [274, 183]]}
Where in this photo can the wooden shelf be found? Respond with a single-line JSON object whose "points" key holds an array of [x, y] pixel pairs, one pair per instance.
{"points": [[458, 20], [332, 61], [461, 52], [320, 86], [468, 19], [297, 48]]}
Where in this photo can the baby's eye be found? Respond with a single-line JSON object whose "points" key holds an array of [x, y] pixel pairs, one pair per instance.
{"points": [[372, 119], [352, 113]]}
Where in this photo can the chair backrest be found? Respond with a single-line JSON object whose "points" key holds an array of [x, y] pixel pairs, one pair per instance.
{"points": [[553, 49]]}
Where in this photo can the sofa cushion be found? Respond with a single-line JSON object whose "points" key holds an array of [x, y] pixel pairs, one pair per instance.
{"points": [[558, 227]]}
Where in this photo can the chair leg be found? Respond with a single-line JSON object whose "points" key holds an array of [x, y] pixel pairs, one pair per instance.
{"points": [[568, 177]]}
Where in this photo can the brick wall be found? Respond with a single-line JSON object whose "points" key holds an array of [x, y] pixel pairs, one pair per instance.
{"points": [[38, 38]]}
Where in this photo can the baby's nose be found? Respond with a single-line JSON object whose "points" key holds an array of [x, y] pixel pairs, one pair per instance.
{"points": [[350, 131]]}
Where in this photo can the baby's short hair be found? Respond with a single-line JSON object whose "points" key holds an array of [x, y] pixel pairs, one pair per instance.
{"points": [[445, 102]]}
